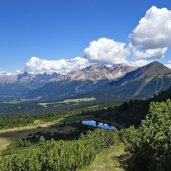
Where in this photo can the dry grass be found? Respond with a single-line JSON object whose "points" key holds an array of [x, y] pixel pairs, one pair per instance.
{"points": [[68, 101], [8, 136]]}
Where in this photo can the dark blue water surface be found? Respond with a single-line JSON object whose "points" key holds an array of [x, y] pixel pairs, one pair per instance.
{"points": [[98, 124]]}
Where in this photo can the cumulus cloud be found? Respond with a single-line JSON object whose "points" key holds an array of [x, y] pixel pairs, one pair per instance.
{"points": [[106, 51], [37, 65], [153, 30], [169, 64], [153, 33], [147, 53], [103, 50], [139, 63]]}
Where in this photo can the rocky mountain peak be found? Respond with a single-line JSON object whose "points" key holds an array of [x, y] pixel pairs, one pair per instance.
{"points": [[100, 72]]}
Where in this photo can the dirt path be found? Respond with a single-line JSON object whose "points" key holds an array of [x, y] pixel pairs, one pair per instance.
{"points": [[109, 159]]}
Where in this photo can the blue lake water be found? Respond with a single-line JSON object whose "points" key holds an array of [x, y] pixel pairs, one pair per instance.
{"points": [[98, 124]]}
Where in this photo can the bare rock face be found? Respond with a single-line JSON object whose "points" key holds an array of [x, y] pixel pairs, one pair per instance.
{"points": [[93, 72], [100, 72]]}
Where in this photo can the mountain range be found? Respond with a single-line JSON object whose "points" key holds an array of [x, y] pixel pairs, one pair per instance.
{"points": [[141, 83], [100, 81]]}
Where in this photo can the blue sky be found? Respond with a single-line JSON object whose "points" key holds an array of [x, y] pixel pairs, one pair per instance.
{"points": [[56, 29]]}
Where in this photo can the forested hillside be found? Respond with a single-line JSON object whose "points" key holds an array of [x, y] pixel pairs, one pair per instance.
{"points": [[131, 112], [141, 83]]}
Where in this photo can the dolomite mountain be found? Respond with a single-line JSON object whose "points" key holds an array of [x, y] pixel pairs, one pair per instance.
{"points": [[93, 72], [99, 81], [26, 85]]}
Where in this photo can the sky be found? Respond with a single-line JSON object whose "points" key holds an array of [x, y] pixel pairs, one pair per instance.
{"points": [[61, 35]]}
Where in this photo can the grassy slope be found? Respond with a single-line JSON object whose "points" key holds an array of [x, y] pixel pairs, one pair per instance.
{"points": [[110, 159], [12, 135], [68, 101], [8, 136]]}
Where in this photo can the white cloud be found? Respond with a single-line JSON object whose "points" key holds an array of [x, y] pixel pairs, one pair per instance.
{"points": [[106, 51], [153, 30], [169, 64], [37, 65], [2, 73], [153, 33], [139, 63], [103, 50], [147, 53]]}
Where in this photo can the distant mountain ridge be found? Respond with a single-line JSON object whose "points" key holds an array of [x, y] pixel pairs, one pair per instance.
{"points": [[79, 82], [16, 87], [100, 72], [98, 80], [143, 82], [93, 72]]}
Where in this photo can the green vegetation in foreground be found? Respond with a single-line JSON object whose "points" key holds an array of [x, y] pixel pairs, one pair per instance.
{"points": [[59, 155], [149, 146]]}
